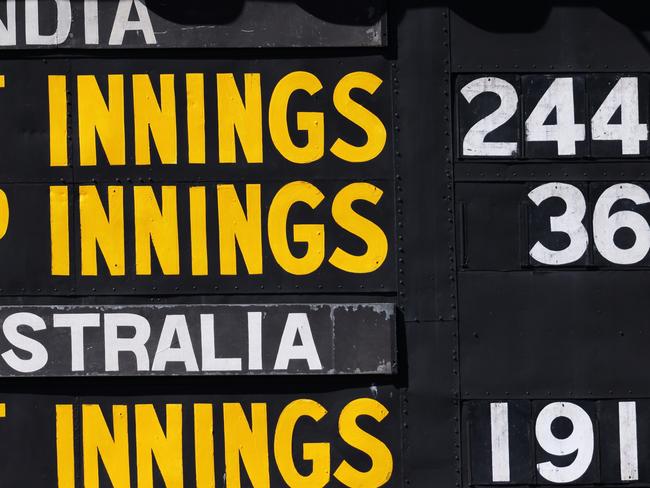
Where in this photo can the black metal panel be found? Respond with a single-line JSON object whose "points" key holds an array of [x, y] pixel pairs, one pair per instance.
{"points": [[553, 333], [549, 35], [491, 240], [431, 424], [423, 148]]}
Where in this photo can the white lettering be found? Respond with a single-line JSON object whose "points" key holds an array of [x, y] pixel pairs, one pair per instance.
{"points": [[76, 322], [33, 34], [297, 323], [114, 345], [175, 325], [37, 351], [123, 24]]}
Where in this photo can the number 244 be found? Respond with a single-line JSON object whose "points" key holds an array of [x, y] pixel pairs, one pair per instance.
{"points": [[565, 132]]}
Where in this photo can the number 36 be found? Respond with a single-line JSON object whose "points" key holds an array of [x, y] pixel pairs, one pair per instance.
{"points": [[605, 224]]}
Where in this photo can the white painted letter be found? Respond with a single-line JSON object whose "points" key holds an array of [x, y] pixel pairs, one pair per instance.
{"points": [[76, 322], [254, 341], [500, 442], [8, 30], [63, 23], [628, 441], [175, 325], [113, 344], [208, 360], [38, 352], [123, 24], [91, 22], [297, 323]]}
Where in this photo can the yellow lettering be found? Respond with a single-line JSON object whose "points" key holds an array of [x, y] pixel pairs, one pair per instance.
{"points": [[242, 117], [380, 456], [251, 442], [98, 442], [312, 234], [198, 232], [195, 118], [159, 119], [165, 446], [59, 231], [157, 227], [99, 229], [58, 120], [204, 445], [369, 232], [237, 227], [65, 446], [359, 115], [101, 118], [311, 122], [317, 453]]}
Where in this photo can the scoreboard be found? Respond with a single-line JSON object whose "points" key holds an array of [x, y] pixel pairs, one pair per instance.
{"points": [[307, 244]]}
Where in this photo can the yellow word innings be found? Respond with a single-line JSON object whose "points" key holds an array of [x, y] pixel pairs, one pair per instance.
{"points": [[126, 439], [155, 115], [243, 223]]}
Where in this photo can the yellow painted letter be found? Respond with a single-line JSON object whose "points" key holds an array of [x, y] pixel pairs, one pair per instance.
{"points": [[65, 446], [312, 234], [369, 232], [249, 442], [112, 448], [99, 229], [198, 231], [157, 227], [237, 227], [58, 120], [242, 117], [101, 118], [317, 453], [359, 115], [311, 122], [195, 118], [204, 445], [165, 446], [59, 231], [380, 456], [159, 118]]}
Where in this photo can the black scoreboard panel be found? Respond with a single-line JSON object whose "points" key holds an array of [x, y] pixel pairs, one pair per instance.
{"points": [[273, 243], [551, 164]]}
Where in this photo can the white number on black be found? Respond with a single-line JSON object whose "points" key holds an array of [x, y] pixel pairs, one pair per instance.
{"points": [[624, 95], [474, 142], [606, 225], [565, 132], [499, 435], [580, 442], [628, 442], [570, 222]]}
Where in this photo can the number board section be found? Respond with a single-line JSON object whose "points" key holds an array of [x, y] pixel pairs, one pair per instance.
{"points": [[553, 233], [542, 442], [558, 224], [549, 116]]}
